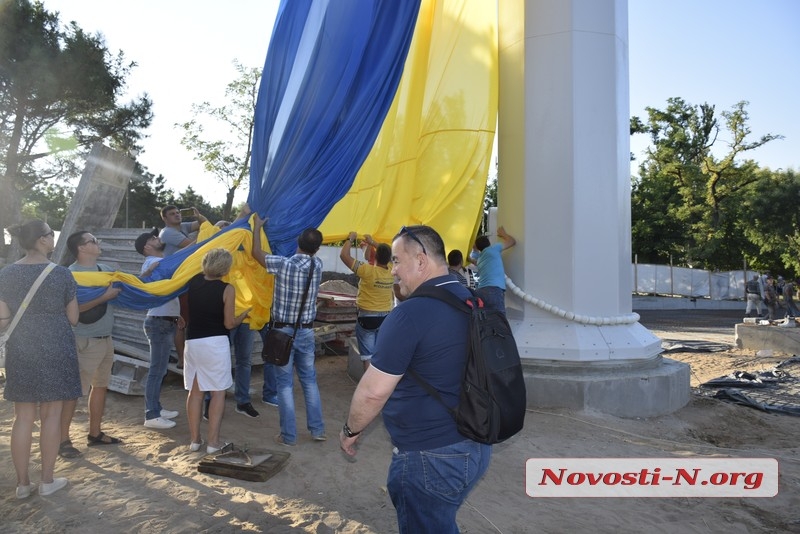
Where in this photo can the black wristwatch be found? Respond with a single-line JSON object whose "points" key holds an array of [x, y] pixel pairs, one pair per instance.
{"points": [[349, 433]]}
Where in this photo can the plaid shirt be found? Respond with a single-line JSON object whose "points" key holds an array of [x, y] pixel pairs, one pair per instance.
{"points": [[291, 275]]}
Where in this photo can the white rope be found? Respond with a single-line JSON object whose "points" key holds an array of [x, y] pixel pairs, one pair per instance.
{"points": [[628, 318]]}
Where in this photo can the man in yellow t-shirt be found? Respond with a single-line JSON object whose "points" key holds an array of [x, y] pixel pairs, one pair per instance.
{"points": [[375, 292]]}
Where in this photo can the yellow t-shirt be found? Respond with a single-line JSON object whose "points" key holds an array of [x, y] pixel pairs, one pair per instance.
{"points": [[375, 287]]}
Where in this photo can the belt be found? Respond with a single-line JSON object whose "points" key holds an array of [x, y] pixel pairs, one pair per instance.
{"points": [[164, 318], [284, 325], [370, 313]]}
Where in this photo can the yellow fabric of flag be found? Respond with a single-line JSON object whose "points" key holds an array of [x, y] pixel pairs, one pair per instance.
{"points": [[430, 162]]}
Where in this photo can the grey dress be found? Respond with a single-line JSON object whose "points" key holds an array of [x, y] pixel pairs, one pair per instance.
{"points": [[41, 356]]}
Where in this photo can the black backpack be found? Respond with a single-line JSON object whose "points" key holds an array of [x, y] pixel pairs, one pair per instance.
{"points": [[752, 286], [493, 399]]}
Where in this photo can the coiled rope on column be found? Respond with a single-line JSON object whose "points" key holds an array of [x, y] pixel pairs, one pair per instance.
{"points": [[628, 318]]}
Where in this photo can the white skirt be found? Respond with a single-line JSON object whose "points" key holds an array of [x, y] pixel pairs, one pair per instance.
{"points": [[209, 360]]}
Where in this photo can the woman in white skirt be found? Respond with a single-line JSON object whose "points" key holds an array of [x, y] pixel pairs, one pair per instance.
{"points": [[207, 355]]}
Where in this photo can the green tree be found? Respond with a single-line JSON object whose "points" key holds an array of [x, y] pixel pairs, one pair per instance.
{"points": [[49, 202], [686, 200], [56, 83], [227, 159], [146, 195], [771, 222], [489, 201]]}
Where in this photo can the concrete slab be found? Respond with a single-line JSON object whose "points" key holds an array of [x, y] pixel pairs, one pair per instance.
{"points": [[97, 198], [779, 339]]}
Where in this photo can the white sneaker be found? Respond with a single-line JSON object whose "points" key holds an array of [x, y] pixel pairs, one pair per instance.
{"points": [[159, 422], [194, 446], [224, 448], [52, 487], [168, 414], [23, 492]]}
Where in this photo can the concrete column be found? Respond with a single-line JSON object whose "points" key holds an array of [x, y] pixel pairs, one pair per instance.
{"points": [[564, 194]]}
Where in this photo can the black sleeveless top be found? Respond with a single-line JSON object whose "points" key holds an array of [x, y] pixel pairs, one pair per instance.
{"points": [[206, 308]]}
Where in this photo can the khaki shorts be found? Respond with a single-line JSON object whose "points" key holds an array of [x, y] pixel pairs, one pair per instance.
{"points": [[95, 358]]}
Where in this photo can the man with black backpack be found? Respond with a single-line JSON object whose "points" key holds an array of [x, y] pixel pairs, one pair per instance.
{"points": [[430, 338]]}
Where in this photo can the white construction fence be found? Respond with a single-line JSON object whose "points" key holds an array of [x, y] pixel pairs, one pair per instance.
{"points": [[685, 282]]}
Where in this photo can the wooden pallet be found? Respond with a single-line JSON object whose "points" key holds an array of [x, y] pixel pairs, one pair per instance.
{"points": [[258, 473]]}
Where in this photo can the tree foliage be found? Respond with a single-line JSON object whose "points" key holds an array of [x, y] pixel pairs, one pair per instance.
{"points": [[688, 202], [146, 195], [771, 222], [228, 158], [56, 82], [48, 202]]}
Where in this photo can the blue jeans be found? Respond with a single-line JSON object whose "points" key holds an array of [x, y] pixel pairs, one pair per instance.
{"points": [[301, 359], [242, 339], [493, 297], [428, 487], [161, 335], [367, 338], [791, 309], [269, 392]]}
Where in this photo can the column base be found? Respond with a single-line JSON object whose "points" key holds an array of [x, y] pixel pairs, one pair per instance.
{"points": [[557, 339], [646, 388]]}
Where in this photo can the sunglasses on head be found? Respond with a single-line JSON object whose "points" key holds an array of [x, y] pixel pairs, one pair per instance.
{"points": [[406, 230], [51, 233]]}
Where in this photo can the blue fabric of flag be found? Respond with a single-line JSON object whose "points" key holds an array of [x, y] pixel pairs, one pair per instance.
{"points": [[330, 76]]}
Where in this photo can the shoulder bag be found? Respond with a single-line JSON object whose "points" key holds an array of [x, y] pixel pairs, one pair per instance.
{"points": [[22, 307], [92, 315], [277, 344]]}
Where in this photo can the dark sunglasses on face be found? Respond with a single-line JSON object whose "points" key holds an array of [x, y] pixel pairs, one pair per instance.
{"points": [[92, 240], [406, 230]]}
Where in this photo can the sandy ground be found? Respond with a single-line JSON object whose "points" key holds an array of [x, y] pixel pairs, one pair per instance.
{"points": [[151, 483]]}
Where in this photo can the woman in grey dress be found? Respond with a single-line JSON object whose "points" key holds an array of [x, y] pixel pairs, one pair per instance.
{"points": [[41, 356]]}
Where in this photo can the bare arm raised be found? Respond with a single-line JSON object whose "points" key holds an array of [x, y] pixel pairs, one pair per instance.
{"points": [[508, 241]]}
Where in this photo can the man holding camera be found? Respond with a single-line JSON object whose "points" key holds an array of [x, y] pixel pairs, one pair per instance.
{"points": [[176, 235]]}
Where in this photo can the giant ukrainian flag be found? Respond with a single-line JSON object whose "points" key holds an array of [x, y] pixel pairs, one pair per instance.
{"points": [[371, 115]]}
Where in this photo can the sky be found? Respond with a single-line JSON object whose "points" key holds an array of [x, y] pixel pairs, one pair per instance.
{"points": [[718, 52]]}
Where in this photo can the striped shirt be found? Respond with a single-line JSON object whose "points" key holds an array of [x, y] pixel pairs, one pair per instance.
{"points": [[291, 275]]}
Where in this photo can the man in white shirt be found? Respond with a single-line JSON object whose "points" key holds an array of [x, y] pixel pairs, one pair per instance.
{"points": [[159, 326]]}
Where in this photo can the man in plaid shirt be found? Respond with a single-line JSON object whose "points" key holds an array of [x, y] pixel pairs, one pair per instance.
{"points": [[291, 276]]}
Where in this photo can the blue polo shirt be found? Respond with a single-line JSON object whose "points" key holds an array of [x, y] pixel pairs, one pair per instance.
{"points": [[431, 337], [490, 267]]}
